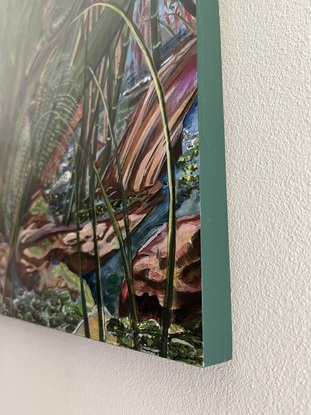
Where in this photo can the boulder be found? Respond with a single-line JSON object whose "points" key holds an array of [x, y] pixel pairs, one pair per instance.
{"points": [[42, 244], [149, 273]]}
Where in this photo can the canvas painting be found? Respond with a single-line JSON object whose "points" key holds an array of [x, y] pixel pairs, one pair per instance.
{"points": [[101, 170]]}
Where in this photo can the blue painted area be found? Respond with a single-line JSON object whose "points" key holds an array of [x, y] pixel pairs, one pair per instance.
{"points": [[191, 122]]}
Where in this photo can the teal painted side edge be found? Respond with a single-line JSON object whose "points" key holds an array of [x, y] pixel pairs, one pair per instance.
{"points": [[217, 332]]}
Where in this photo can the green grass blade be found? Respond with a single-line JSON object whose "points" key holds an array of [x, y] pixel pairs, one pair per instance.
{"points": [[171, 250], [126, 256], [83, 299], [128, 274], [118, 162]]}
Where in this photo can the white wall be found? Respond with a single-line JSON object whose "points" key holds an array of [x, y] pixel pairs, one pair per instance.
{"points": [[266, 47]]}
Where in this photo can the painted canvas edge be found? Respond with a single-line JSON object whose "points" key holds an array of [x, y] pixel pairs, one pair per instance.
{"points": [[217, 327]]}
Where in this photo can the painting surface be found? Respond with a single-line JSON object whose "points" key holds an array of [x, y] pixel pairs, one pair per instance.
{"points": [[100, 204]]}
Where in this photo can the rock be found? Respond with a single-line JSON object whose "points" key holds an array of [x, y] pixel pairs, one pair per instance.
{"points": [[41, 244], [149, 273]]}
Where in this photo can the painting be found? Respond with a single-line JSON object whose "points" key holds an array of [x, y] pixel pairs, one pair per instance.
{"points": [[105, 151]]}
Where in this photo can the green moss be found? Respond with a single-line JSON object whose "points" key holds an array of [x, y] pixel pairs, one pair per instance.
{"points": [[72, 281], [39, 207], [55, 308], [183, 345]]}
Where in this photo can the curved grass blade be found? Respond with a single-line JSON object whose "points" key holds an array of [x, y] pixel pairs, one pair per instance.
{"points": [[127, 266], [123, 195], [99, 289], [118, 232], [171, 249], [83, 298]]}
